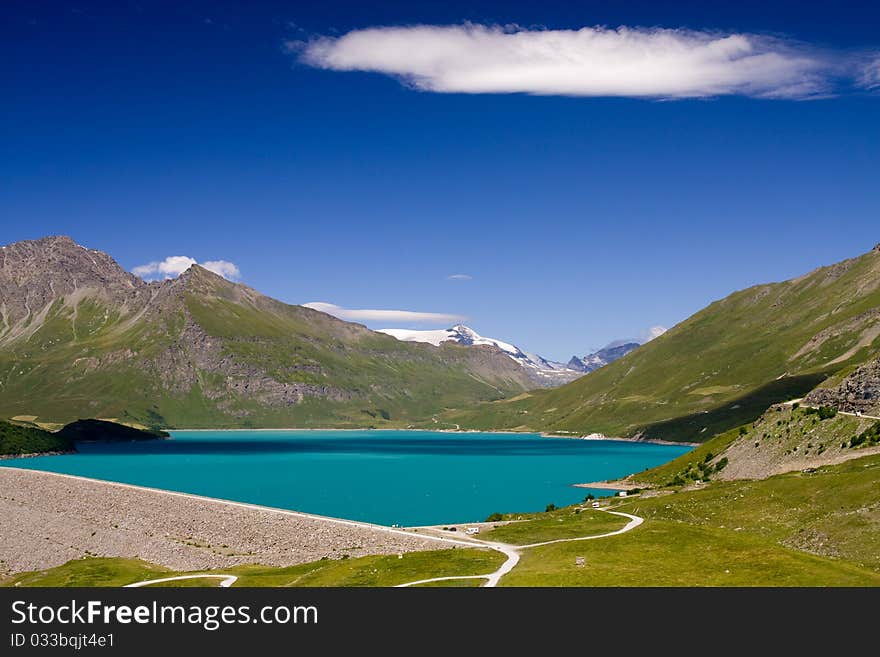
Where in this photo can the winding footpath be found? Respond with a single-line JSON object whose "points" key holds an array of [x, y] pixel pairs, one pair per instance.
{"points": [[228, 580], [792, 402], [512, 552]]}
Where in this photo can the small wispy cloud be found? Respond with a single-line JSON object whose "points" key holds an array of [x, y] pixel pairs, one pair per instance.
{"points": [[367, 315], [224, 268], [652, 332], [459, 277], [591, 61], [174, 266], [870, 74]]}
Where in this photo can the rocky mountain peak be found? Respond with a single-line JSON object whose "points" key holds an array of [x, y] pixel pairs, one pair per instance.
{"points": [[876, 249], [63, 262], [35, 273]]}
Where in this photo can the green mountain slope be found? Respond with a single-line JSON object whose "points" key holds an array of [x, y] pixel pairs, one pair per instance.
{"points": [[80, 337], [718, 369]]}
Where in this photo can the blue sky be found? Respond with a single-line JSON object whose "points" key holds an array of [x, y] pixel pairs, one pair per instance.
{"points": [[205, 129]]}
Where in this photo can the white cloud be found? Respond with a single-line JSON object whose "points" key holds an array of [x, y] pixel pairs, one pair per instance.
{"points": [[366, 315], [591, 61], [459, 277], [653, 332], [228, 270], [870, 75], [170, 267], [174, 266]]}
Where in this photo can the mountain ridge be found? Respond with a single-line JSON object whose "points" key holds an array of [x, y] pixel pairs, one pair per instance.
{"points": [[543, 372], [81, 337], [601, 357], [721, 367]]}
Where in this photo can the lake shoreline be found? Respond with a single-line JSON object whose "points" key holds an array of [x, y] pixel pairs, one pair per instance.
{"points": [[542, 434], [32, 455]]}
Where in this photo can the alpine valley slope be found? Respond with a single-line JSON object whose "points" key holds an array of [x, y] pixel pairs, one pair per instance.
{"points": [[721, 368], [81, 337]]}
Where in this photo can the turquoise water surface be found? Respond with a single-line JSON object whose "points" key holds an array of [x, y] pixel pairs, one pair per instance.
{"points": [[387, 477]]}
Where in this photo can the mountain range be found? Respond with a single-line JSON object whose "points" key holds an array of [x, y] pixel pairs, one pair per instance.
{"points": [[541, 371], [82, 337], [601, 358]]}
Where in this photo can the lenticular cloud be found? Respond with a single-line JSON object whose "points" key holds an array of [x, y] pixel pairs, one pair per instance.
{"points": [[592, 61]]}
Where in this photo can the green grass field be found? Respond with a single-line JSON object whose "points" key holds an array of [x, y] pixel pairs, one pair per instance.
{"points": [[91, 572], [562, 523], [384, 570], [667, 553], [834, 511], [796, 529]]}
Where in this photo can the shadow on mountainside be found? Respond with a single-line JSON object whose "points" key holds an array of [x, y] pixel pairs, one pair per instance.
{"points": [[698, 427]]}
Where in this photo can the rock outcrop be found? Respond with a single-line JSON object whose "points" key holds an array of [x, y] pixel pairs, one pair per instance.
{"points": [[857, 393]]}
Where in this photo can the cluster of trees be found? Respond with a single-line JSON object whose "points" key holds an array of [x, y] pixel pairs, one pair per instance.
{"points": [[867, 438], [824, 412], [703, 471], [16, 440]]}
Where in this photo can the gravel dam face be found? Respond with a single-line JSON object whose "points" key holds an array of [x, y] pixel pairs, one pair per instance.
{"points": [[48, 519]]}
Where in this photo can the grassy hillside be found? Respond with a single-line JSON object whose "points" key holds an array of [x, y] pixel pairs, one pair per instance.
{"points": [[200, 351], [15, 440], [833, 511], [718, 369]]}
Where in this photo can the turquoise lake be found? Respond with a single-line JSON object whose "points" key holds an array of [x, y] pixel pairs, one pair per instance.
{"points": [[386, 477]]}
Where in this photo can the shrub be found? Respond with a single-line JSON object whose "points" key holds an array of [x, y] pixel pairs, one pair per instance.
{"points": [[550, 507], [826, 412], [743, 431], [722, 463], [494, 517], [589, 497]]}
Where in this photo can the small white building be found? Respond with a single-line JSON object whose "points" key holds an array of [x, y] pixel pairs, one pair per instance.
{"points": [[470, 531], [595, 505], [622, 493]]}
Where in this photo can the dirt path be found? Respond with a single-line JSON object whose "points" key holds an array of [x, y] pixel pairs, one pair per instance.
{"points": [[513, 553], [228, 580]]}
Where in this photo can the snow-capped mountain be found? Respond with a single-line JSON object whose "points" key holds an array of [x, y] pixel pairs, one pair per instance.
{"points": [[597, 359], [544, 372]]}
